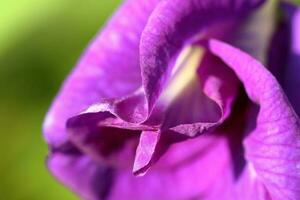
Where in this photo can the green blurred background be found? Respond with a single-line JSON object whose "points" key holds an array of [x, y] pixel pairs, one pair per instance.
{"points": [[40, 41]]}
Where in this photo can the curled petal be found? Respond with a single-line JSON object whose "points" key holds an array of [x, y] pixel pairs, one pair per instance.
{"points": [[145, 151], [172, 25], [273, 147], [100, 72], [205, 102], [107, 145], [188, 179], [179, 29], [87, 178]]}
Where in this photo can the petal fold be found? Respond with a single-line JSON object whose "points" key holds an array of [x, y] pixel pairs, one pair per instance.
{"points": [[145, 151], [88, 179], [206, 101], [107, 145], [273, 146], [172, 25], [100, 72]]}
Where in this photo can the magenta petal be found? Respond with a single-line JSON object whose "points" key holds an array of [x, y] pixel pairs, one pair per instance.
{"points": [[107, 145], [207, 100], [273, 147], [172, 25], [145, 150], [100, 72], [88, 179], [198, 168], [168, 179]]}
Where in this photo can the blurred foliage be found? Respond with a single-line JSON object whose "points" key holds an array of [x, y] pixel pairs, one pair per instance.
{"points": [[40, 41]]}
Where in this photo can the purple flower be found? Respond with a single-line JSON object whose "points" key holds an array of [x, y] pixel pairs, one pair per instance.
{"points": [[181, 100]]}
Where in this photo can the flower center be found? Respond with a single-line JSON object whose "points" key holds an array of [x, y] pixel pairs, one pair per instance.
{"points": [[183, 73]]}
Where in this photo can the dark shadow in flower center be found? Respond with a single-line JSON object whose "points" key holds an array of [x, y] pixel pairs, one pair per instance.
{"points": [[106, 145], [240, 123], [102, 188]]}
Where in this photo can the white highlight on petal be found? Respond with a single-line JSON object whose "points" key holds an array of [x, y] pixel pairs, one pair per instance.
{"points": [[115, 39], [91, 71], [101, 107], [298, 169], [271, 129], [48, 121], [252, 171]]}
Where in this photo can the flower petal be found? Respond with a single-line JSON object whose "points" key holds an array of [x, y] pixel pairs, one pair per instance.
{"points": [[87, 178], [100, 72], [273, 147], [145, 150], [206, 167], [215, 79], [107, 145], [173, 24], [206, 101], [221, 90], [187, 180]]}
